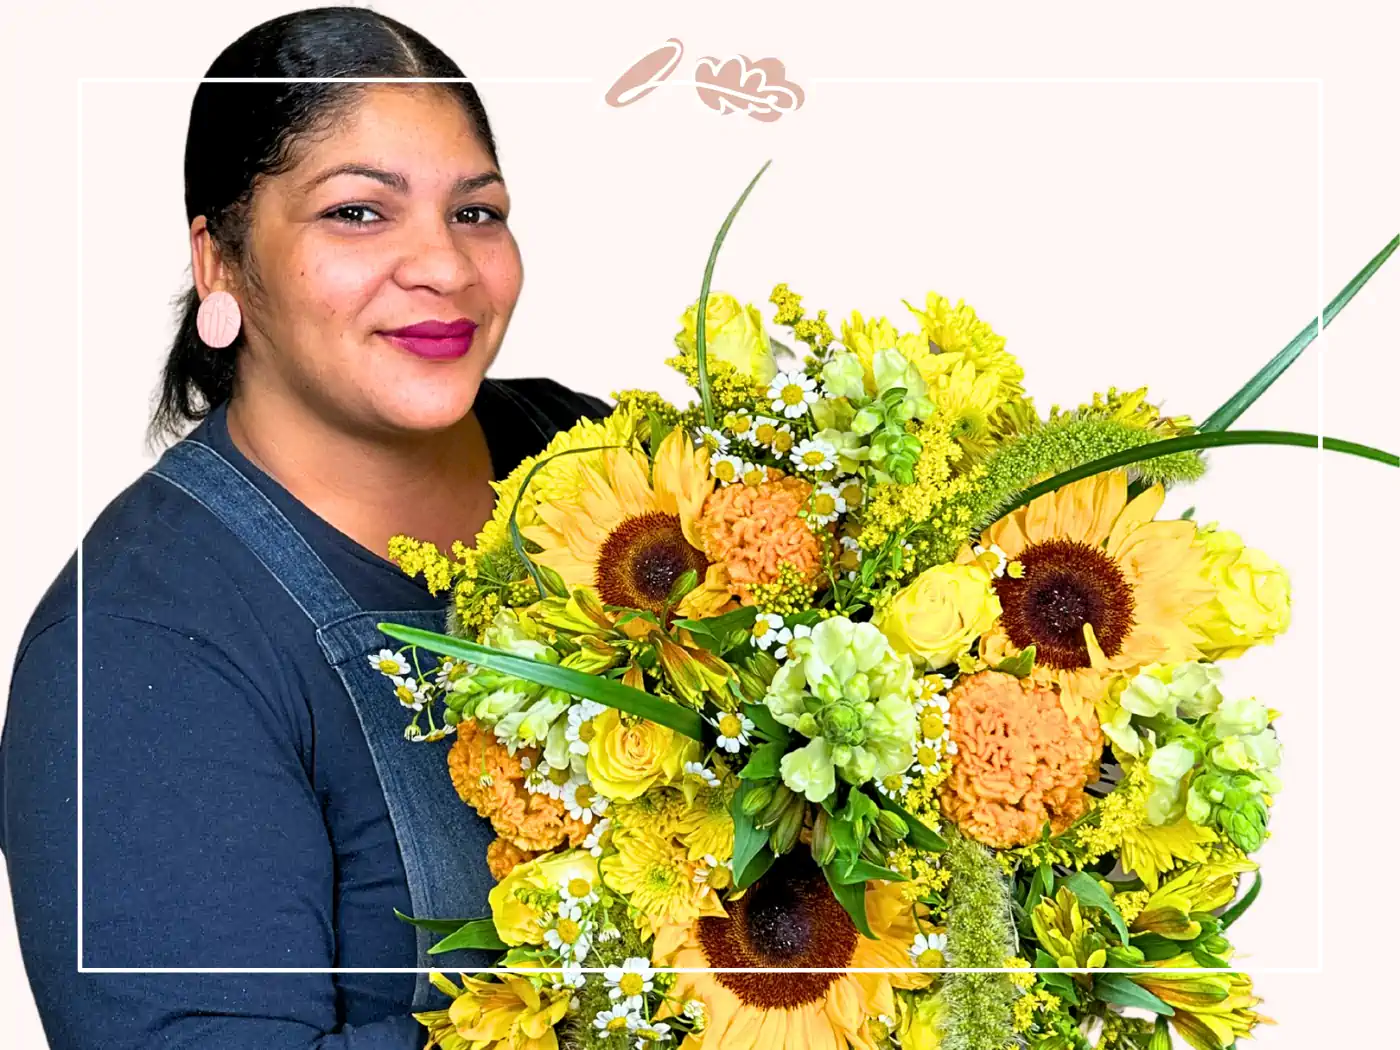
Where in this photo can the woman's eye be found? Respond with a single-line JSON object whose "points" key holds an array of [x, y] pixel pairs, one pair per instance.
{"points": [[483, 213], [338, 214]]}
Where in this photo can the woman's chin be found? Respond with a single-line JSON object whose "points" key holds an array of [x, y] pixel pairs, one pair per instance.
{"points": [[429, 409]]}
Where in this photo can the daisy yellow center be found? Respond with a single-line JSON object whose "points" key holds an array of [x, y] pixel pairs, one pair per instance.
{"points": [[568, 930], [813, 456], [765, 432], [389, 666], [579, 887], [931, 723], [631, 984], [782, 441], [558, 776], [1066, 584], [641, 560], [792, 394], [788, 919], [724, 470], [755, 476], [741, 425], [586, 732], [617, 1024], [406, 693], [929, 958], [851, 494], [729, 725], [928, 756], [583, 797], [822, 503]]}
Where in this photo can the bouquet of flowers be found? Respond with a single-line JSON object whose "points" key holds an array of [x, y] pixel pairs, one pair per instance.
{"points": [[856, 704]]}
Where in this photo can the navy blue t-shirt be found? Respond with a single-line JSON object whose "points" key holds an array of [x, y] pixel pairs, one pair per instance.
{"points": [[232, 816]]}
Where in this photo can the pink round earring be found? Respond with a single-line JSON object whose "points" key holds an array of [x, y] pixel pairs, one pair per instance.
{"points": [[218, 319]]}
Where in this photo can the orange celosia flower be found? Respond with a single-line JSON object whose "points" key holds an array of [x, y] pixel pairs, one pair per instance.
{"points": [[503, 855], [750, 530], [491, 780], [1021, 761]]}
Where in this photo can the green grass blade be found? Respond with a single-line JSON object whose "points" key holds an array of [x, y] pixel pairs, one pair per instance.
{"points": [[1196, 441], [576, 683], [700, 362], [1227, 413]]}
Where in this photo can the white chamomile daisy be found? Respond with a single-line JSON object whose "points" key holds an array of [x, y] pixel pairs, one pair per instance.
{"points": [[733, 731], [409, 691], [725, 468], [768, 629], [928, 755], [894, 785], [740, 425], [714, 440], [927, 951], [699, 770], [695, 1012], [581, 800], [814, 454], [648, 1032], [579, 731], [570, 935], [594, 840], [572, 976], [616, 1019], [388, 662], [800, 630], [753, 473], [791, 393], [577, 893], [630, 981], [443, 676], [978, 550], [826, 503]]}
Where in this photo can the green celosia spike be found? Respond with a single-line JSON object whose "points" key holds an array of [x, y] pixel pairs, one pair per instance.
{"points": [[981, 934]]}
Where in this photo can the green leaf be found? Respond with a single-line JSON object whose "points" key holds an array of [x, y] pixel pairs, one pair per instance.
{"points": [[852, 898], [723, 625], [921, 836], [1187, 443], [1230, 914], [1206, 959], [685, 583], [1040, 885], [700, 361], [1021, 664], [435, 925], [1090, 893], [749, 841], [755, 869], [479, 933], [1059, 983], [659, 430], [763, 761], [765, 723], [861, 869], [576, 683], [1231, 410], [1156, 948], [1120, 990]]}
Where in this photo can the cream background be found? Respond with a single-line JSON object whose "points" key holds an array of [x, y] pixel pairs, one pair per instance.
{"points": [[1158, 233]]}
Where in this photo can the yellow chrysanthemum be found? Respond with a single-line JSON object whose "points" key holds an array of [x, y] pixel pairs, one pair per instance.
{"points": [[706, 826], [627, 531], [958, 330], [1097, 586], [789, 920], [653, 872], [1150, 851]]}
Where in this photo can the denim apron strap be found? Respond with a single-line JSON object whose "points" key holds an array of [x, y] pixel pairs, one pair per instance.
{"points": [[441, 840]]}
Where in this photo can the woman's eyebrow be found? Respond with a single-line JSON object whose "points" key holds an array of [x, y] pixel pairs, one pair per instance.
{"points": [[394, 180]]}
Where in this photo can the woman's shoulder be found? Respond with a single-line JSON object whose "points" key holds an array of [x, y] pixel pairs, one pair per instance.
{"points": [[155, 556]]}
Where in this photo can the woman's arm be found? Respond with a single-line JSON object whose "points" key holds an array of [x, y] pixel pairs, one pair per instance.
{"points": [[203, 846]]}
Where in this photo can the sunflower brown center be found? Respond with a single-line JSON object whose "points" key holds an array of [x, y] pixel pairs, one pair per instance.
{"points": [[1065, 585], [789, 918], [642, 559]]}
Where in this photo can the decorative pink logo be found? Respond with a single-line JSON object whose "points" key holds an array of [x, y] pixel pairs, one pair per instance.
{"points": [[737, 84]]}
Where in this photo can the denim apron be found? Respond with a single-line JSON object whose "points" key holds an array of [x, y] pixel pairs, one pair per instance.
{"points": [[441, 840]]}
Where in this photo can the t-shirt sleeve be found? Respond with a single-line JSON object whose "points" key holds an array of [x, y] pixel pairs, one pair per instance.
{"points": [[203, 846]]}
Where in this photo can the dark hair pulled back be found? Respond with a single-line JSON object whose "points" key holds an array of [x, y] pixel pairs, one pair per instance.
{"points": [[241, 132]]}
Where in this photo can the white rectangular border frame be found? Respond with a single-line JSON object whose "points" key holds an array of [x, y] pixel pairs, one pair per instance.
{"points": [[1322, 359]]}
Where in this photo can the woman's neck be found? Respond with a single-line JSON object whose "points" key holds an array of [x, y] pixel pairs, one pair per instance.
{"points": [[431, 487]]}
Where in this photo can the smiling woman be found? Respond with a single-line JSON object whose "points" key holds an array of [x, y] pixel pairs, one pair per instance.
{"points": [[247, 799]]}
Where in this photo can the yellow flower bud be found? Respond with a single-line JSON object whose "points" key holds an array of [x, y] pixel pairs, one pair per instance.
{"points": [[1252, 600], [733, 334]]}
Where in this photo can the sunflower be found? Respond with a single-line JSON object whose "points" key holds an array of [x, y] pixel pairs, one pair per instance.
{"points": [[1098, 587], [628, 531], [790, 920]]}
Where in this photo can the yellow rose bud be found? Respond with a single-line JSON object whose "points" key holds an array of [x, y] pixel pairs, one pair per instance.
{"points": [[517, 921], [733, 334], [626, 758], [1252, 600], [938, 615]]}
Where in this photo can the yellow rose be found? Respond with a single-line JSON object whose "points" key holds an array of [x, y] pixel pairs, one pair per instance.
{"points": [[517, 921], [1252, 600], [627, 757], [733, 334], [938, 615]]}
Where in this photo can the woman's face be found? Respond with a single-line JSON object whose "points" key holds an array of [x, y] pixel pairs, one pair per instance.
{"points": [[417, 234]]}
